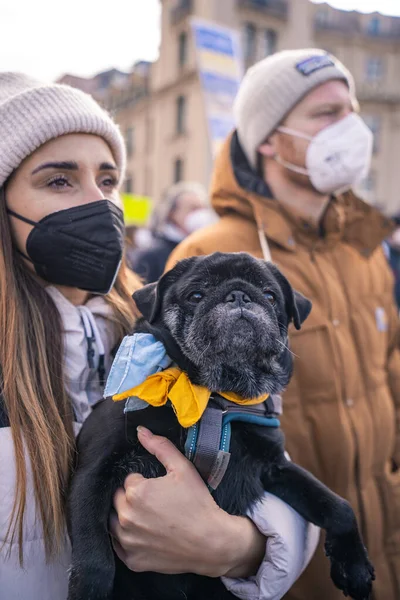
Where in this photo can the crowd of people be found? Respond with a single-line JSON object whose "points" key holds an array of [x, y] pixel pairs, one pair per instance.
{"points": [[184, 209], [281, 190]]}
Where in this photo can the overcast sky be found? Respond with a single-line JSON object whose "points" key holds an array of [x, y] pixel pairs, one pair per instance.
{"points": [[46, 39]]}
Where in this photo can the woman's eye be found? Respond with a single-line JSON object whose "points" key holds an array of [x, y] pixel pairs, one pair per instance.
{"points": [[110, 182], [270, 296], [195, 297], [58, 182]]}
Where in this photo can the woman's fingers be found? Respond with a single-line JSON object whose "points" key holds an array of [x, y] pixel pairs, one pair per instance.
{"points": [[164, 450]]}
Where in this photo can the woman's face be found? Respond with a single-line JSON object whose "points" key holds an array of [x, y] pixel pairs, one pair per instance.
{"points": [[66, 172]]}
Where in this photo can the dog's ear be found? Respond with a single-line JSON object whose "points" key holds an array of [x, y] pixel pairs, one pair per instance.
{"points": [[148, 301], [301, 308], [298, 307]]}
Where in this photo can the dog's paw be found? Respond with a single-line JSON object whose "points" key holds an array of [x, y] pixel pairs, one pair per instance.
{"points": [[354, 579], [87, 582], [351, 570]]}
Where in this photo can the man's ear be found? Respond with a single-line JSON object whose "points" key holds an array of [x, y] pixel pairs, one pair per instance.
{"points": [[301, 308], [148, 301], [267, 149]]}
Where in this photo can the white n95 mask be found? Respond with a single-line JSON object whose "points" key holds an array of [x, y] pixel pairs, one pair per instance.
{"points": [[338, 157], [199, 218]]}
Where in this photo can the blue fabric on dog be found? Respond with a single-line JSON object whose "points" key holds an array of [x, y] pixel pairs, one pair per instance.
{"points": [[139, 356]]}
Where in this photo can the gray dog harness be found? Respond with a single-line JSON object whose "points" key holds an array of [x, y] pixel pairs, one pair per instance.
{"points": [[208, 441]]}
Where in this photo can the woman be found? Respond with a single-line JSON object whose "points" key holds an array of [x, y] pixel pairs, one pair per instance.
{"points": [[65, 304], [183, 210]]}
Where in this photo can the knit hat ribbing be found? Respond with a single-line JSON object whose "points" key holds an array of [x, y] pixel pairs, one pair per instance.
{"points": [[33, 113], [273, 86]]}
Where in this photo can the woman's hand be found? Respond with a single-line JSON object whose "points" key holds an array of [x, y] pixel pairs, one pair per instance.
{"points": [[172, 524]]}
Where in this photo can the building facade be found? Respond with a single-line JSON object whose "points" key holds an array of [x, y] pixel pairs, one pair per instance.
{"points": [[161, 112]]}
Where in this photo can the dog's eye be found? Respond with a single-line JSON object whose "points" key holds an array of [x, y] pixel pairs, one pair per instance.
{"points": [[270, 296], [195, 297]]}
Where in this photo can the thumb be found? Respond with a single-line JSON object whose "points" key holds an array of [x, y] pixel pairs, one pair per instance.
{"points": [[163, 449]]}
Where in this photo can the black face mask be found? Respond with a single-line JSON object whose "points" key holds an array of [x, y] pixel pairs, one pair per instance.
{"points": [[78, 247]]}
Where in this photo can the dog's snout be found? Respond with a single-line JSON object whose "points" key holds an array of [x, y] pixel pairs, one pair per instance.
{"points": [[237, 298]]}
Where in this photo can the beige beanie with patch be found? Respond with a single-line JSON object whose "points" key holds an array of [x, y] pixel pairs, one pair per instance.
{"points": [[273, 86], [33, 113]]}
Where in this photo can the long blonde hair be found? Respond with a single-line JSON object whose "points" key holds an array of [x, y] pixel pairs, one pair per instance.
{"points": [[32, 386]]}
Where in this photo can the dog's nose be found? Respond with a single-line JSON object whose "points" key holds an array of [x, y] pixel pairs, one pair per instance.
{"points": [[237, 298]]}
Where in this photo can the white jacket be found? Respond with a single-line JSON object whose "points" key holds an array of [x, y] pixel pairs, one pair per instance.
{"points": [[291, 542]]}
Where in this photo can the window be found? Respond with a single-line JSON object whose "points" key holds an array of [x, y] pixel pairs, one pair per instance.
{"points": [[322, 16], [129, 184], [149, 134], [178, 170], [374, 69], [249, 41], [374, 123], [182, 49], [148, 182], [180, 114], [374, 26], [130, 141], [270, 38]]}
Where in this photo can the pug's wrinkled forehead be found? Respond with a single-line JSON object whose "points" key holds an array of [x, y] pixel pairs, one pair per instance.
{"points": [[219, 267], [216, 272], [214, 269]]}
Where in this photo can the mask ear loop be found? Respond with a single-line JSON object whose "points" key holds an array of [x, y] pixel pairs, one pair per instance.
{"points": [[284, 163], [295, 133], [291, 166], [16, 216], [21, 218]]}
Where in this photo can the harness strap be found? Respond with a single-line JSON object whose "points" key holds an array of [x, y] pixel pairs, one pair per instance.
{"points": [[208, 441]]}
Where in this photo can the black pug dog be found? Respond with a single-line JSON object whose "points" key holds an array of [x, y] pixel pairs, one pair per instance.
{"points": [[224, 321]]}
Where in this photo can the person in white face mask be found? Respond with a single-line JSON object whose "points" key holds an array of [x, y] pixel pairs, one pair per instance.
{"points": [[283, 187], [184, 209]]}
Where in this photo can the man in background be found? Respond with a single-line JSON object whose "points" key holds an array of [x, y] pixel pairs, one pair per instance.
{"points": [[282, 186]]}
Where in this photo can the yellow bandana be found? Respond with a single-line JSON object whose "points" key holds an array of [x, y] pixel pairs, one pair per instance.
{"points": [[189, 401]]}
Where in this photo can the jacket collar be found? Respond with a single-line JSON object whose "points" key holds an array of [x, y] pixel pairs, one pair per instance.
{"points": [[236, 188]]}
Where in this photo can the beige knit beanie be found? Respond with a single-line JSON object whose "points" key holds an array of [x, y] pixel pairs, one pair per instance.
{"points": [[33, 113], [273, 86]]}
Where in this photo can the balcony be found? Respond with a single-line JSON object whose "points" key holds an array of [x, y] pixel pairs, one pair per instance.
{"points": [[183, 9], [274, 8], [349, 26], [389, 35]]}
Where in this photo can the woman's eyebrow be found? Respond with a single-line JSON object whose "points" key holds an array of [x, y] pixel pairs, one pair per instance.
{"points": [[64, 165], [107, 167]]}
